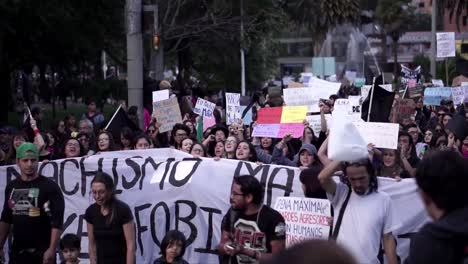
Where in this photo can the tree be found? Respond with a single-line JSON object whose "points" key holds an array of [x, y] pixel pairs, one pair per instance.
{"points": [[455, 7], [203, 39], [395, 17], [320, 16]]}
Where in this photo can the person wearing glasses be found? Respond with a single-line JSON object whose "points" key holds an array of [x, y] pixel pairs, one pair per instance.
{"points": [[251, 231], [178, 134], [367, 215]]}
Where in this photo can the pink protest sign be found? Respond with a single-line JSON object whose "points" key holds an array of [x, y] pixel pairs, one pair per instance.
{"points": [[296, 129]]}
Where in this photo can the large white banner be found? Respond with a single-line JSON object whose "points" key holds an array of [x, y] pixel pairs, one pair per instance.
{"points": [[167, 189]]}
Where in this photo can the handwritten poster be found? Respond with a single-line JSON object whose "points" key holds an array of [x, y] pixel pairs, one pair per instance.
{"points": [[306, 218], [204, 108], [382, 135], [315, 122], [460, 94], [167, 113], [233, 109], [445, 44], [293, 114], [433, 96], [405, 109]]}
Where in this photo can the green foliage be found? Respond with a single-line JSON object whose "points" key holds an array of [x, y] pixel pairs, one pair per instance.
{"points": [[395, 16], [425, 63], [320, 16], [204, 40]]}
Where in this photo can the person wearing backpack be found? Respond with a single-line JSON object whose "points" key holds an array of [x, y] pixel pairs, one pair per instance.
{"points": [[442, 181]]}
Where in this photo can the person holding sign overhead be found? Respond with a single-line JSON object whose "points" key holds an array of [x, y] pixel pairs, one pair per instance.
{"points": [[363, 215]]}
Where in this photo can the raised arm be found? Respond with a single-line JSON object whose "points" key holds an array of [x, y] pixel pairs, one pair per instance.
{"points": [[325, 177]]}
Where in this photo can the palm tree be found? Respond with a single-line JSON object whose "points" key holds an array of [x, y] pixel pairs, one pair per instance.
{"points": [[457, 7], [395, 16], [320, 16]]}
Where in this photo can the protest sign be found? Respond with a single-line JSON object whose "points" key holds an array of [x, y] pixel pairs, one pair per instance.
{"points": [[438, 83], [365, 91], [460, 94], [315, 122], [160, 95], [208, 122], [405, 109], [306, 218], [310, 96], [445, 44], [167, 189], [382, 135], [293, 114], [350, 109], [167, 113], [266, 130], [278, 130], [388, 87], [269, 115], [278, 121], [344, 141], [204, 108], [246, 115], [295, 129], [410, 78], [433, 96], [233, 109]]}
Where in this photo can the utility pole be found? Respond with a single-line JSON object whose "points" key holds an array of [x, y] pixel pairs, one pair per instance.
{"points": [[242, 48], [433, 39], [135, 56]]}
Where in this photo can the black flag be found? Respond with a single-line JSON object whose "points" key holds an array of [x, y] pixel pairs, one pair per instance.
{"points": [[119, 121], [382, 101]]}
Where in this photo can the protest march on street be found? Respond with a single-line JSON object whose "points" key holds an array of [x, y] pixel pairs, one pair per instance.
{"points": [[234, 132]]}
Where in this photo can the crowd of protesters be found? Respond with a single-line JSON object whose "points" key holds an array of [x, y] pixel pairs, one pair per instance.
{"points": [[428, 130]]}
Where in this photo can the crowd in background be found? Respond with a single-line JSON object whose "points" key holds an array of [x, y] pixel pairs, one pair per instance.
{"points": [[429, 128]]}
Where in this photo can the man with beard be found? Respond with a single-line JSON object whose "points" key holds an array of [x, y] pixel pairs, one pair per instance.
{"points": [[33, 212], [250, 230], [367, 215]]}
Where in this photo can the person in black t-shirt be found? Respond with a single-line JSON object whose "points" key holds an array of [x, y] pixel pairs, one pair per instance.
{"points": [[251, 231], [110, 225], [34, 206]]}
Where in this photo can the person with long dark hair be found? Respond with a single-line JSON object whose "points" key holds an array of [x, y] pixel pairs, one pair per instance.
{"points": [[105, 142], [246, 152], [365, 217], [111, 233]]}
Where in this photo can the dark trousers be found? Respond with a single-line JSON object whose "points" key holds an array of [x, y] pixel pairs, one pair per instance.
{"points": [[26, 257]]}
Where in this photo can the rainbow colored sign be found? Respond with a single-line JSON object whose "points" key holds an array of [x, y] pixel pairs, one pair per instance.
{"points": [[276, 122]]}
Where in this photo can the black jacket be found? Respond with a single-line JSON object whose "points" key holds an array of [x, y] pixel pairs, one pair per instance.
{"points": [[443, 241]]}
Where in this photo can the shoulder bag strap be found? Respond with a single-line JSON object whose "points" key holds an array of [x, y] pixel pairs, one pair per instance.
{"points": [[336, 229]]}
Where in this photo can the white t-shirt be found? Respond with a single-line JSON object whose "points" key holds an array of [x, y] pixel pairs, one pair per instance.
{"points": [[365, 220]]}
